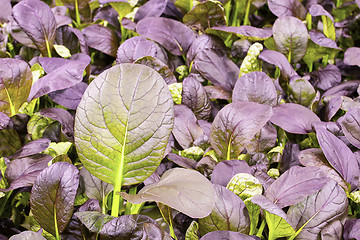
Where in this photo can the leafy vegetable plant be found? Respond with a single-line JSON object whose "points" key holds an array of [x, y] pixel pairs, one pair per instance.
{"points": [[179, 119]]}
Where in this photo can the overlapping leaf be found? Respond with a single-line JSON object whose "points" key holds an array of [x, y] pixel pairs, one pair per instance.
{"points": [[37, 20], [235, 125], [53, 195], [15, 84], [176, 190]]}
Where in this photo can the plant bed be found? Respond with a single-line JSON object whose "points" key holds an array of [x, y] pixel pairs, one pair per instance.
{"points": [[179, 119]]}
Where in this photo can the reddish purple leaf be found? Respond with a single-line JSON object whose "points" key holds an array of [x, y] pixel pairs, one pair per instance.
{"points": [[294, 118]]}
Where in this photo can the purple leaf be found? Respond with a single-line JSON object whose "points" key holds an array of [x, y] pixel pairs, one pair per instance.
{"points": [[173, 35], [245, 32], [69, 97], [332, 231], [5, 13], [217, 68], [314, 157], [5, 121], [60, 16], [27, 235], [154, 231], [317, 10], [319, 209], [32, 148], [176, 189], [263, 140], [52, 64], [93, 220], [38, 21], [125, 227], [182, 161], [64, 77], [19, 35], [343, 89], [204, 42], [53, 194], [83, 45], [229, 213], [235, 125], [326, 78], [22, 172], [102, 39], [352, 56], [351, 126], [127, 23], [351, 229], [332, 107], [215, 92], [109, 14], [186, 128], [287, 8], [291, 37], [255, 87], [279, 60], [225, 235], [225, 170], [339, 156], [93, 187], [65, 36], [294, 118], [320, 39], [63, 116], [152, 8], [195, 97], [138, 47], [15, 84], [269, 206], [295, 184]]}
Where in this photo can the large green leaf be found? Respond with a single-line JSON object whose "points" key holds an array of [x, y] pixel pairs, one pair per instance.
{"points": [[52, 196], [123, 123], [15, 84]]}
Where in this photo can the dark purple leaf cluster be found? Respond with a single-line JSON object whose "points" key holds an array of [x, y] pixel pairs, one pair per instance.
{"points": [[174, 119]]}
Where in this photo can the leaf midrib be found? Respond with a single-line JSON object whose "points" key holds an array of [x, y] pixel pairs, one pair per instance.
{"points": [[120, 172]]}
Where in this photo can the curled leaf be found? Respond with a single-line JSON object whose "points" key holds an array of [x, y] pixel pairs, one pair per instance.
{"points": [[176, 190]]}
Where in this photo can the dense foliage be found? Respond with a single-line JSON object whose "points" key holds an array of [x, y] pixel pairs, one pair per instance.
{"points": [[179, 119]]}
